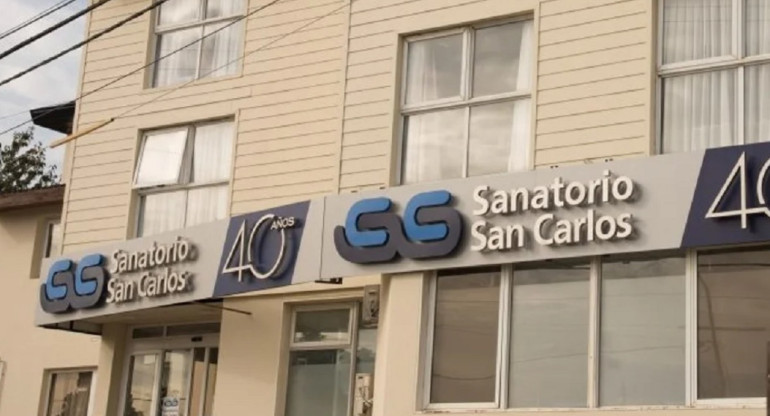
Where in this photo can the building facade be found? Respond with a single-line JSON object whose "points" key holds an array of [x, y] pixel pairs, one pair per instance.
{"points": [[42, 372], [552, 205]]}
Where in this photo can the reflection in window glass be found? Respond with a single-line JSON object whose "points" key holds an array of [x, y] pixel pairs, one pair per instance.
{"points": [[69, 394], [699, 111], [502, 59], [549, 337], [161, 159], [319, 383], [175, 376], [434, 69], [757, 17], [499, 138], [465, 337], [733, 323], [757, 106], [223, 8], [178, 67], [696, 29], [141, 382], [174, 12], [330, 325], [643, 332], [435, 144]]}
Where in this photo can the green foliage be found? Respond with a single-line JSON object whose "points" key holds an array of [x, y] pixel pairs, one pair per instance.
{"points": [[23, 165]]}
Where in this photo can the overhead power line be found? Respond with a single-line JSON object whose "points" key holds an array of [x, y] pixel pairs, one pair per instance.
{"points": [[134, 71], [79, 44], [58, 6], [53, 28]]}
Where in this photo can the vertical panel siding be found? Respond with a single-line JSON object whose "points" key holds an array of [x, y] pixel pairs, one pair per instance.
{"points": [[594, 81]]}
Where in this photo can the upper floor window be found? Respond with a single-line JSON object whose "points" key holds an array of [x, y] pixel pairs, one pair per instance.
{"points": [[183, 176], [466, 102], [182, 22], [715, 73]]}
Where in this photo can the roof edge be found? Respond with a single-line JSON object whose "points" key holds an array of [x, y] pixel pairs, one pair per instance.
{"points": [[32, 198]]}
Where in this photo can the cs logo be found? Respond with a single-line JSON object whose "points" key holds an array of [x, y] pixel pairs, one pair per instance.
{"points": [[373, 234], [63, 290]]}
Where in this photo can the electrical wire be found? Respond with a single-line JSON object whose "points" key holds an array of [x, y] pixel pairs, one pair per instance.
{"points": [[132, 109], [128, 74], [80, 44], [37, 17], [51, 29]]}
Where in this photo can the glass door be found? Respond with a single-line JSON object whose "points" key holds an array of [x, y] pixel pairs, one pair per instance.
{"points": [[142, 379]]}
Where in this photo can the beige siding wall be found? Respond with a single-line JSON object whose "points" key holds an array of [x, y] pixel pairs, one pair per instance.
{"points": [[286, 101], [28, 351]]}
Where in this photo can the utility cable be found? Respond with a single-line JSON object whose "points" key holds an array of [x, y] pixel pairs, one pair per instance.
{"points": [[151, 63], [132, 109], [53, 28], [36, 18], [79, 44]]}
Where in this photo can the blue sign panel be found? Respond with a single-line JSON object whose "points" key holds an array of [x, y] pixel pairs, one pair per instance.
{"points": [[730, 204], [260, 250], [66, 289]]}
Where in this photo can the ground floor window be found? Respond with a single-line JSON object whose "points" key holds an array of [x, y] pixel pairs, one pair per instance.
{"points": [[172, 370], [662, 329], [68, 392], [331, 361]]}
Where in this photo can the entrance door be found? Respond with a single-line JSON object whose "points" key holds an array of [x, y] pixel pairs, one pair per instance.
{"points": [[329, 352]]}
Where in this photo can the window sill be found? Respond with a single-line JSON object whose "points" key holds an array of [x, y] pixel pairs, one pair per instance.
{"points": [[149, 90]]}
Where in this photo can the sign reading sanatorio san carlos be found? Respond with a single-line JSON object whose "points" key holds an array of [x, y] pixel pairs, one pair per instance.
{"points": [[548, 229]]}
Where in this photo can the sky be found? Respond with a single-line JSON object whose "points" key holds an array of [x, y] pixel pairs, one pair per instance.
{"points": [[52, 84]]}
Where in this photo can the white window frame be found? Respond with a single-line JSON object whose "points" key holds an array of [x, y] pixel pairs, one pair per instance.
{"points": [[183, 183], [690, 399], [49, 373], [465, 99], [158, 346], [159, 30], [737, 60], [351, 344]]}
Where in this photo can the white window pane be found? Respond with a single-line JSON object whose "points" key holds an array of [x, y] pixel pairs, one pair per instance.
{"points": [[319, 383], [206, 205], [757, 27], [162, 212], [322, 326], [213, 153], [141, 382], [174, 12], [503, 59], [549, 337], [643, 332], [465, 337], [757, 105], [434, 69], [69, 394], [696, 29], [220, 50], [699, 111], [435, 146], [224, 8], [733, 324], [161, 159], [499, 140], [181, 66]]}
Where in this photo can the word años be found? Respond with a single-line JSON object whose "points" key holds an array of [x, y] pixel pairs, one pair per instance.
{"points": [[558, 195], [148, 286], [157, 255]]}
